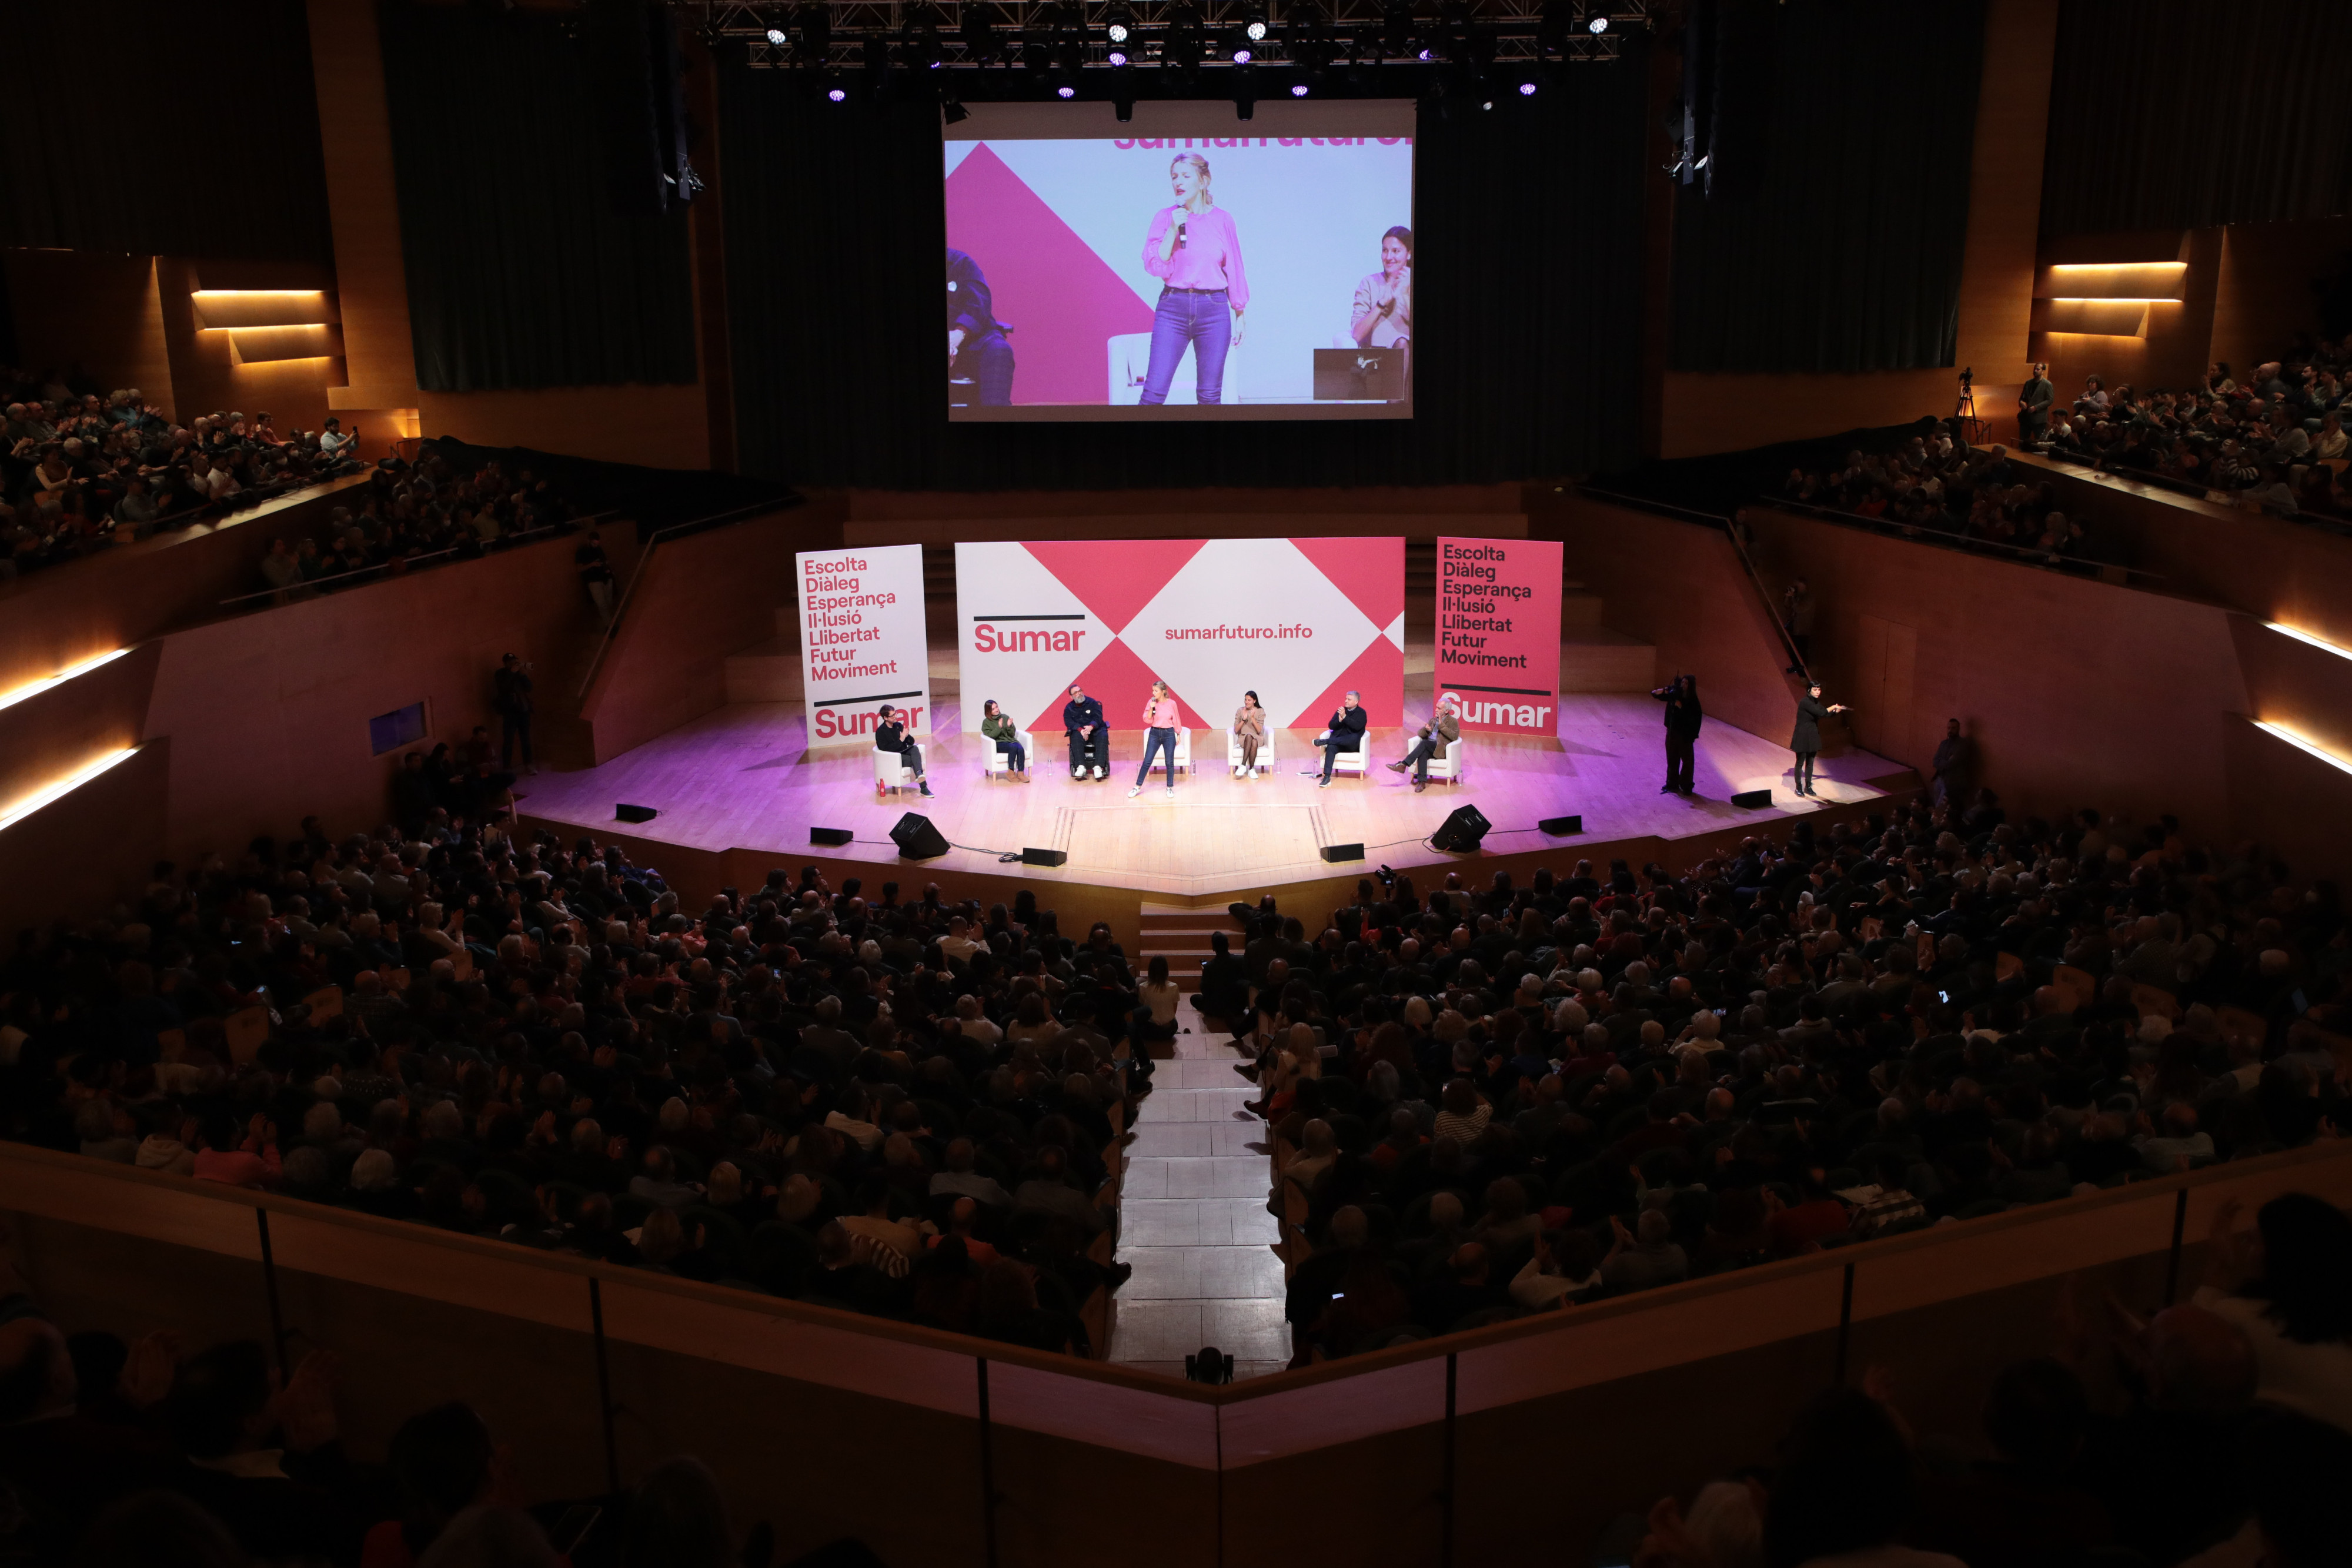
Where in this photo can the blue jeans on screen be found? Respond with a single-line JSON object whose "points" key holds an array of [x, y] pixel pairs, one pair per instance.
{"points": [[1157, 738], [1204, 320]]}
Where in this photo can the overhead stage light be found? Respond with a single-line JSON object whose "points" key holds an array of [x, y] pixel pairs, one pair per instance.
{"points": [[778, 37], [1254, 28], [1598, 25], [1118, 28], [1526, 89], [1066, 92], [1299, 89]]}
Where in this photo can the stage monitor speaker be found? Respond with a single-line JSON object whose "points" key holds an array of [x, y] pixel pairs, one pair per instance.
{"points": [[1043, 857], [1461, 831], [1335, 853], [1562, 827], [917, 839], [1750, 799], [830, 835], [624, 812]]}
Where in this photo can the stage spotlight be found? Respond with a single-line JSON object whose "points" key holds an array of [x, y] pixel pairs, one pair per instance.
{"points": [[1598, 25], [1527, 89], [1299, 89], [1066, 92], [1241, 49], [778, 37], [1118, 55], [1255, 28], [1119, 26], [836, 93]]}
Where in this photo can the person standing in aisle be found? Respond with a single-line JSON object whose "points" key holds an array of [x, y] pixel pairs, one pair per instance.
{"points": [[1682, 716], [1807, 740], [1161, 717], [510, 692]]}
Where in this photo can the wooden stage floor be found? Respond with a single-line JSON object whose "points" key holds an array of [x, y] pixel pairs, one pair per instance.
{"points": [[742, 776]]}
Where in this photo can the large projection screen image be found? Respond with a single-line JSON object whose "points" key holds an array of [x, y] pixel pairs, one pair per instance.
{"points": [[1171, 267]]}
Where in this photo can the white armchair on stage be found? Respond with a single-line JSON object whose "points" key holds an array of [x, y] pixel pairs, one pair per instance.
{"points": [[891, 772], [1349, 761], [994, 762], [1233, 752], [1448, 766], [1184, 753]]}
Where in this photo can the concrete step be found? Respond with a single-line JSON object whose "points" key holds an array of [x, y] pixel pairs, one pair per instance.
{"points": [[1605, 660], [1580, 614]]}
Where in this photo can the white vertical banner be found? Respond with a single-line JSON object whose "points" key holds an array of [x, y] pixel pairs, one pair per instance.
{"points": [[862, 642]]}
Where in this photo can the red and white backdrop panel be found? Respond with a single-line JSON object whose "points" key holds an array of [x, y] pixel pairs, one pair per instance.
{"points": [[1300, 621]]}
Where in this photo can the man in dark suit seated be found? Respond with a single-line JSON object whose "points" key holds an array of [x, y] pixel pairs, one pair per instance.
{"points": [[1346, 734], [1082, 721]]}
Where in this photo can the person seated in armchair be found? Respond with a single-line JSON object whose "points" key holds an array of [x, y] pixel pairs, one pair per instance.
{"points": [[1444, 728], [890, 735], [1082, 721], [1346, 734]]}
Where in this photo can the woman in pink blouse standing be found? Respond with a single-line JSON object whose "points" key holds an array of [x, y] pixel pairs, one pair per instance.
{"points": [[1161, 717], [1196, 253]]}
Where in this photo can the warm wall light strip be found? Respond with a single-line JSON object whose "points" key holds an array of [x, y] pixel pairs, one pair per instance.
{"points": [[57, 789], [257, 294], [2110, 299], [35, 688], [2284, 733], [2108, 265], [2316, 641]]}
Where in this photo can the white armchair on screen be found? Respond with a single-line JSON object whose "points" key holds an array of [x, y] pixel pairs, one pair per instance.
{"points": [[1130, 357], [891, 772], [994, 762], [1184, 754], [1233, 752]]}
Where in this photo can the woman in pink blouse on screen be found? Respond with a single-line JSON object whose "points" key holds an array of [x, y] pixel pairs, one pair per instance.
{"points": [[1196, 253]]}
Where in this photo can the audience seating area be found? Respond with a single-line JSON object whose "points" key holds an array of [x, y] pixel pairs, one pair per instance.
{"points": [[81, 471], [429, 509], [2275, 441]]}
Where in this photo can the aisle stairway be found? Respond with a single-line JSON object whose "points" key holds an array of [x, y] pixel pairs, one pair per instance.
{"points": [[1193, 1220]]}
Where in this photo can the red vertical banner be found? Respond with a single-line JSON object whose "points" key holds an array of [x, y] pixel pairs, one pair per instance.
{"points": [[1498, 632]]}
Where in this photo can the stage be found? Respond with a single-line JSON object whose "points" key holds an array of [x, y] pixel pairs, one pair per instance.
{"points": [[744, 777]]}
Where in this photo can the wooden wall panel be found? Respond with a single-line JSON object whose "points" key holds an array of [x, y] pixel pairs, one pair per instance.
{"points": [[269, 711], [371, 280], [1707, 413], [2266, 295], [697, 600], [207, 376], [2077, 692], [101, 312], [662, 427], [1680, 586]]}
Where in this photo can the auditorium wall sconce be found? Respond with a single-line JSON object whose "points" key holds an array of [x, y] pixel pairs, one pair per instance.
{"points": [[2302, 742], [2107, 299], [57, 789], [271, 326], [2281, 627], [35, 688]]}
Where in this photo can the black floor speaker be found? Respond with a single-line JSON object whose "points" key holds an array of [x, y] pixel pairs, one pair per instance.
{"points": [[1750, 799], [1335, 853], [830, 835], [1562, 827], [624, 812], [1461, 831], [917, 839], [1044, 857]]}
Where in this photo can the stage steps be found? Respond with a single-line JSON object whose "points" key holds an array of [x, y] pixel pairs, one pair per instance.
{"points": [[1180, 935], [767, 671]]}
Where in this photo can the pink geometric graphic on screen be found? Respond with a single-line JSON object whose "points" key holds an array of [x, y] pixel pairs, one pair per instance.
{"points": [[1117, 679], [1370, 571], [1062, 301], [1113, 579], [1377, 675]]}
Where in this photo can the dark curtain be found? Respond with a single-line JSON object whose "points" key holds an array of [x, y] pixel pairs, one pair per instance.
{"points": [[159, 128], [1528, 298], [522, 271], [1842, 252], [2174, 114]]}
